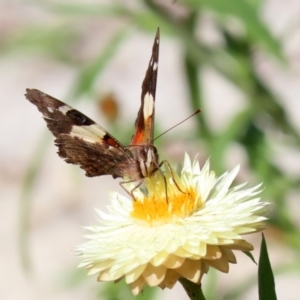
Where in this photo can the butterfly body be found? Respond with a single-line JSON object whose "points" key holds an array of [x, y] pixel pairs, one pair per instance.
{"points": [[83, 142]]}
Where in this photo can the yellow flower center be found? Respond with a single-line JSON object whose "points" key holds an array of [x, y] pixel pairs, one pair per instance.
{"points": [[161, 206]]}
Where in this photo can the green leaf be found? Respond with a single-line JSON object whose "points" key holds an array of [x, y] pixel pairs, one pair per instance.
{"points": [[193, 290], [80, 9], [26, 199], [90, 73], [49, 40], [247, 14], [142, 19], [120, 290], [266, 283], [250, 255]]}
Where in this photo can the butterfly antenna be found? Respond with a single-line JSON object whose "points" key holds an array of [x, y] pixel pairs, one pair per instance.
{"points": [[195, 113]]}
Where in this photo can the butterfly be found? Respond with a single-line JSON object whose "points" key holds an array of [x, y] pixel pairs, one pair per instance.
{"points": [[83, 142]]}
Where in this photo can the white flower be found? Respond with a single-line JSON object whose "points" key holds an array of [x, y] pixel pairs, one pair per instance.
{"points": [[162, 236]]}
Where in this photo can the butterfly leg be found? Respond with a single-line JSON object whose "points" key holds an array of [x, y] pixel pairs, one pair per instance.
{"points": [[171, 171], [164, 177], [131, 192], [141, 181]]}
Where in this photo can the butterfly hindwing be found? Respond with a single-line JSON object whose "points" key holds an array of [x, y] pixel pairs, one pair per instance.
{"points": [[144, 124], [80, 140]]}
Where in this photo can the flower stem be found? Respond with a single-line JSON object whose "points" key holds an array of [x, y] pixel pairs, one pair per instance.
{"points": [[193, 290]]}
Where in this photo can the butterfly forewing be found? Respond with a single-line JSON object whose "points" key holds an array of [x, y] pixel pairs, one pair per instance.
{"points": [[144, 124], [80, 140]]}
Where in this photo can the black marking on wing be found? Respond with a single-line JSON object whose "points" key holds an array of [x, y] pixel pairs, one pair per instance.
{"points": [[57, 121], [78, 118]]}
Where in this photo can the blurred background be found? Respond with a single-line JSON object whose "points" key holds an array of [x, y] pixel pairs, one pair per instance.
{"points": [[238, 60]]}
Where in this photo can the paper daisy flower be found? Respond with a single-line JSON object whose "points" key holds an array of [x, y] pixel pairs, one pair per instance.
{"points": [[156, 239]]}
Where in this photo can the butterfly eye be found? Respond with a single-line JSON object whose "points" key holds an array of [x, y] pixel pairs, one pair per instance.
{"points": [[145, 151], [79, 118]]}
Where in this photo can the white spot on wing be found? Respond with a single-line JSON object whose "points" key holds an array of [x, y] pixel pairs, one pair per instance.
{"points": [[148, 105], [155, 66], [92, 133], [64, 109], [50, 110]]}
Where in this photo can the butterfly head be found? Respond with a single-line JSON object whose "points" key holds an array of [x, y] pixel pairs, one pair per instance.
{"points": [[147, 158]]}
